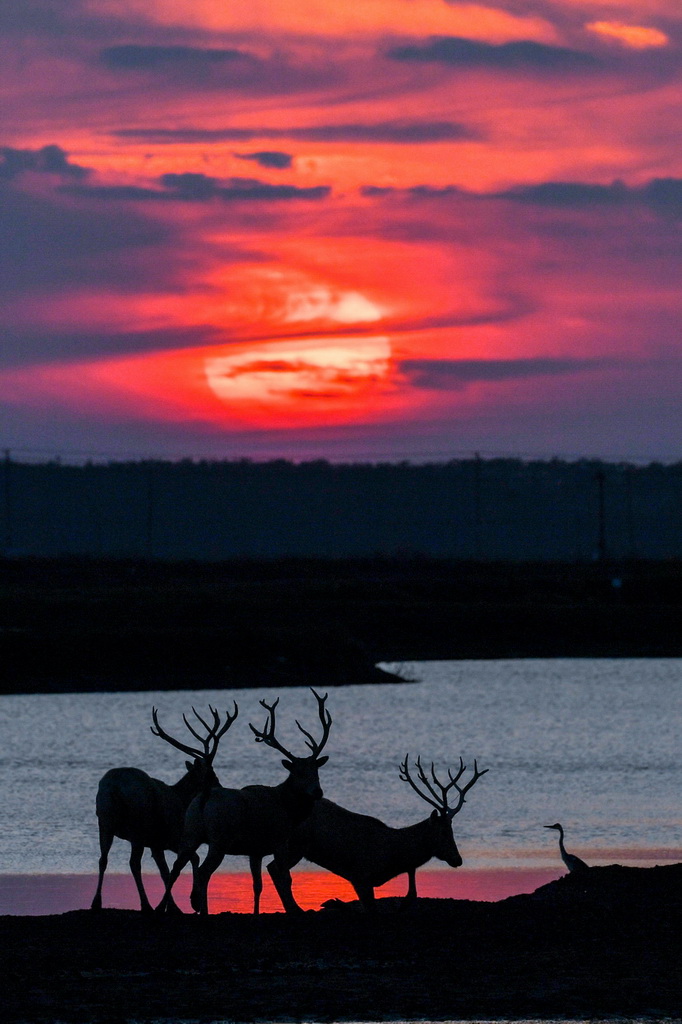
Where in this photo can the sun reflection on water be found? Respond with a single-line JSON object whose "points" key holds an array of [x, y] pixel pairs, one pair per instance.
{"points": [[232, 891]]}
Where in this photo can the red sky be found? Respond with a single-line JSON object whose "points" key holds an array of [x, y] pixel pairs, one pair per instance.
{"points": [[393, 229]]}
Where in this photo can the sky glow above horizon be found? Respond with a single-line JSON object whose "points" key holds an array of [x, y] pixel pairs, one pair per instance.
{"points": [[397, 229]]}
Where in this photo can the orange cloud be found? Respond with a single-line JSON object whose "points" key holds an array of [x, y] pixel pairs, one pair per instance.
{"points": [[419, 17], [637, 37]]}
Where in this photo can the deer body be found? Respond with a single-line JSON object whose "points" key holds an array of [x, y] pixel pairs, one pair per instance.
{"points": [[253, 821], [149, 813], [362, 849], [367, 852]]}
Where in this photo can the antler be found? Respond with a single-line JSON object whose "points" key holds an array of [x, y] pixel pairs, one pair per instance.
{"points": [[209, 742], [267, 733], [326, 720], [439, 800]]}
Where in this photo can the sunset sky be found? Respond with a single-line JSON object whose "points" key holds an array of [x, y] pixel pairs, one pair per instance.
{"points": [[377, 230]]}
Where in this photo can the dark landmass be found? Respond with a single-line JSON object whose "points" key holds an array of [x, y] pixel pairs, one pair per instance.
{"points": [[503, 509], [80, 625], [95, 624], [605, 944]]}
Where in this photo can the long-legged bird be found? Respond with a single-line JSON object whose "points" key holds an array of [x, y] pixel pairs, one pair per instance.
{"points": [[572, 862]]}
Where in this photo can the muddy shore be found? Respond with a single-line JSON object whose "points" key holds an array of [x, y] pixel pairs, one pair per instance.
{"points": [[605, 944]]}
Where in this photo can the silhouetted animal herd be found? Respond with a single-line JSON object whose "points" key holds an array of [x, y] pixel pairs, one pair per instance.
{"points": [[290, 821]]}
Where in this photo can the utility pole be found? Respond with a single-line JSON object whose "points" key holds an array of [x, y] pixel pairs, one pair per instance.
{"points": [[7, 495], [149, 530], [478, 515], [601, 514], [629, 515]]}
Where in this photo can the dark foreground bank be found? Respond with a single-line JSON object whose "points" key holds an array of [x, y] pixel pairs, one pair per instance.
{"points": [[603, 945], [97, 624]]}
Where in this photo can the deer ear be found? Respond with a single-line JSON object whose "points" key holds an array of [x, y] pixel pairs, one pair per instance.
{"points": [[321, 760], [435, 815], [288, 764], [189, 765]]}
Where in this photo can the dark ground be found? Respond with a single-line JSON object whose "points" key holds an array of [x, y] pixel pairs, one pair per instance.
{"points": [[603, 945], [88, 624]]}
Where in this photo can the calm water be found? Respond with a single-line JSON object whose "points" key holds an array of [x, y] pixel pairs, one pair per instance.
{"points": [[591, 743]]}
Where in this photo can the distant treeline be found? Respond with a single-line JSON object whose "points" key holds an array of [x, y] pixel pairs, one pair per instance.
{"points": [[497, 509]]}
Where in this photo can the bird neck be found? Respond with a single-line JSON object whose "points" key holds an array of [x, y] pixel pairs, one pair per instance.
{"points": [[562, 848]]}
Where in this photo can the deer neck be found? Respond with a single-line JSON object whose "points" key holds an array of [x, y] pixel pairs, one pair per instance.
{"points": [[416, 845], [186, 789], [298, 805]]}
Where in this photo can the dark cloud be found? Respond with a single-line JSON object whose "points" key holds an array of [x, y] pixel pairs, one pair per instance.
{"points": [[523, 55], [47, 160], [179, 66], [454, 374], [133, 57], [192, 187], [416, 191], [56, 19], [48, 245], [193, 66], [22, 346], [387, 131], [661, 194], [382, 131], [268, 158]]}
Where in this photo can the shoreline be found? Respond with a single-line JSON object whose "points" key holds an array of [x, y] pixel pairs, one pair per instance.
{"points": [[45, 894], [603, 944]]}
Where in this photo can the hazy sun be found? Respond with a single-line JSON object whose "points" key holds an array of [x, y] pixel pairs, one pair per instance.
{"points": [[294, 376]]}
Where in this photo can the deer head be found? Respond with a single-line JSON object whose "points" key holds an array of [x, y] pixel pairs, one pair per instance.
{"points": [[302, 770], [436, 793]]}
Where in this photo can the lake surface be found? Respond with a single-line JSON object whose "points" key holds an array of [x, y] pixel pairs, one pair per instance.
{"points": [[591, 743]]}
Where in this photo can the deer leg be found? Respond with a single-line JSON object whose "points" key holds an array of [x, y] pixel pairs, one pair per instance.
{"points": [[136, 851], [411, 895], [182, 858], [161, 863], [194, 861], [365, 894], [202, 876], [256, 865], [280, 872], [106, 838]]}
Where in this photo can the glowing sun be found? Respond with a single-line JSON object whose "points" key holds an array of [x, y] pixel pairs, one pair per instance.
{"points": [[300, 376]]}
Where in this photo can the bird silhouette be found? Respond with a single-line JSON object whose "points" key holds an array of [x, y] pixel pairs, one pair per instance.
{"points": [[572, 862]]}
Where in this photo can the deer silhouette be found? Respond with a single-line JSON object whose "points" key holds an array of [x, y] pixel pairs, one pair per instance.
{"points": [[149, 813], [256, 820], [367, 852]]}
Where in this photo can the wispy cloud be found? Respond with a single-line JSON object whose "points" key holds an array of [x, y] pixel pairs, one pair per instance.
{"points": [[637, 37], [134, 57], [399, 132], [663, 195], [196, 187], [454, 374]]}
